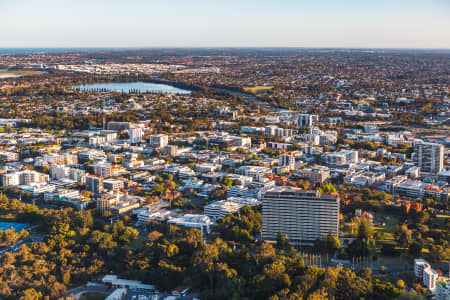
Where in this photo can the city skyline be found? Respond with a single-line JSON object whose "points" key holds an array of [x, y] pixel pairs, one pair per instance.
{"points": [[142, 24]]}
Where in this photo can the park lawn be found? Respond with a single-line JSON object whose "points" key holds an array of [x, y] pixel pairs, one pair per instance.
{"points": [[388, 230], [93, 296], [390, 224], [259, 89], [443, 216], [392, 260]]}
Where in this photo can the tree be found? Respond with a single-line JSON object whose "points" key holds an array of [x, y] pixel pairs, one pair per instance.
{"points": [[158, 188], [327, 188], [400, 284], [227, 181], [318, 295], [330, 243], [264, 250], [365, 231], [403, 235], [360, 246], [30, 294], [208, 260], [124, 234], [349, 286], [384, 290], [415, 249], [102, 240]]}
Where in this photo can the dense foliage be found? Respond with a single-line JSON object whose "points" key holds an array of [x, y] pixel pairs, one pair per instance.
{"points": [[77, 249]]}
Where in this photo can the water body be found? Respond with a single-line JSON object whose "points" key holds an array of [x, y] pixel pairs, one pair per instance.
{"points": [[16, 226], [139, 86], [249, 98]]}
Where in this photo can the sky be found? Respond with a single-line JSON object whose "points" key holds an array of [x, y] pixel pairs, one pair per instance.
{"points": [[225, 23]]}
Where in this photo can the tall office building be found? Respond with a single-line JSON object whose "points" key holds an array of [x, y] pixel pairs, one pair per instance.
{"points": [[429, 157], [159, 140], [136, 135], [287, 160], [305, 120], [172, 150], [303, 216], [94, 184]]}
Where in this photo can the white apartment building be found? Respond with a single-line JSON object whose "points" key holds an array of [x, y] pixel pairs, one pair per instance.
{"points": [[9, 156], [315, 174], [255, 172], [241, 191], [90, 154], [429, 157], [219, 209], [422, 190], [113, 184], [287, 160], [159, 140], [303, 216], [136, 135], [110, 135], [104, 170], [55, 158], [94, 184], [305, 120], [313, 139], [207, 168], [37, 188], [201, 222], [429, 279], [342, 158], [273, 130], [60, 194], [24, 177], [242, 142], [59, 171], [172, 150], [117, 203], [426, 274], [77, 175]]}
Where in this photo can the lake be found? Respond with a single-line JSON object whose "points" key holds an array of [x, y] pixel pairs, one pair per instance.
{"points": [[16, 226], [139, 86]]}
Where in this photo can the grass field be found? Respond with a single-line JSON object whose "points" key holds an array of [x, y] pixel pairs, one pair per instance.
{"points": [[93, 296], [388, 260], [258, 89]]}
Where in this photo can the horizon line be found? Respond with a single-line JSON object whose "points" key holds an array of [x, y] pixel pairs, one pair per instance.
{"points": [[224, 47]]}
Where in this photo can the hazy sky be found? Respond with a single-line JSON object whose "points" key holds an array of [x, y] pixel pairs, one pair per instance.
{"points": [[196, 23]]}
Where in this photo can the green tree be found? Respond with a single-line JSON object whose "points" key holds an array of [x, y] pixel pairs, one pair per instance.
{"points": [[227, 181]]}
